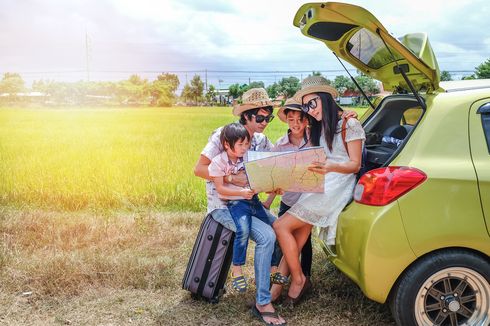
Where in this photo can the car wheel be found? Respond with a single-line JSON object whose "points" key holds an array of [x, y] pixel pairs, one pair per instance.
{"points": [[448, 288]]}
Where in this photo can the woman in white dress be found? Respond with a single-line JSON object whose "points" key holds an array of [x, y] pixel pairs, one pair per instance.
{"points": [[319, 209]]}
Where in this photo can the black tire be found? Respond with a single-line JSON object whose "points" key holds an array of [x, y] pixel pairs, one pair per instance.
{"points": [[446, 288]]}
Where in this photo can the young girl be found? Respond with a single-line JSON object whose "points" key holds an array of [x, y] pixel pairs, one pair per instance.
{"points": [[296, 138], [242, 202], [319, 209]]}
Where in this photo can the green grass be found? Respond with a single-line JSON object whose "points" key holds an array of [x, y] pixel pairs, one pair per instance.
{"points": [[96, 158]]}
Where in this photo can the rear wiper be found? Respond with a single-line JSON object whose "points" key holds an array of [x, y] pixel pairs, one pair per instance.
{"points": [[401, 71], [354, 81]]}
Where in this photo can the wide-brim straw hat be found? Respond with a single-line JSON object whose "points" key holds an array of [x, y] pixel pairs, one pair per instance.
{"points": [[314, 84], [290, 104], [252, 99]]}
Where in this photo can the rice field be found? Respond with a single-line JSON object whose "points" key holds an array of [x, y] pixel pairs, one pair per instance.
{"points": [[96, 158]]}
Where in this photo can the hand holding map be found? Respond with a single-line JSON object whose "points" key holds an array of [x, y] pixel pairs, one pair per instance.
{"points": [[267, 171]]}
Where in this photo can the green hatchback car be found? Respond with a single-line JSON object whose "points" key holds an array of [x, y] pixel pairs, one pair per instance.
{"points": [[416, 234]]}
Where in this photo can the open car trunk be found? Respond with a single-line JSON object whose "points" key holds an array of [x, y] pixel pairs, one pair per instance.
{"points": [[389, 127]]}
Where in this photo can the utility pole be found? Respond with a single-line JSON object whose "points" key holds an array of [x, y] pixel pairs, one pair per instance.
{"points": [[87, 55], [206, 78]]}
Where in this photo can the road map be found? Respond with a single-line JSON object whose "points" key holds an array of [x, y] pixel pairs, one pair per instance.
{"points": [[288, 171]]}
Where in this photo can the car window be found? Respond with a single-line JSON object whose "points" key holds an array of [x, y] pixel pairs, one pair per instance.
{"points": [[411, 116], [484, 110]]}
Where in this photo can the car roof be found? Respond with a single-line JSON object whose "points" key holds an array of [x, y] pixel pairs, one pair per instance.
{"points": [[463, 85]]}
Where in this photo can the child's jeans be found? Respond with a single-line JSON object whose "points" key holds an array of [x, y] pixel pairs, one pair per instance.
{"points": [[242, 211]]}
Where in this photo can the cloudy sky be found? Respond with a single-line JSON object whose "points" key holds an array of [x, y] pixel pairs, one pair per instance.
{"points": [[48, 38]]}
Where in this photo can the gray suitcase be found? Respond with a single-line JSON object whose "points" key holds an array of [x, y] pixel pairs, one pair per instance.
{"points": [[210, 261]]}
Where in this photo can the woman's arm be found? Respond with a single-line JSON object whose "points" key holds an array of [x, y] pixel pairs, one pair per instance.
{"points": [[351, 166]]}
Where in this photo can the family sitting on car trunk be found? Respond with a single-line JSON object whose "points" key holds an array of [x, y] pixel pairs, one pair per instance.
{"points": [[314, 119]]}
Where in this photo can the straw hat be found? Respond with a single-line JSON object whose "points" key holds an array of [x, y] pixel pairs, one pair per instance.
{"points": [[252, 99], [291, 104], [314, 84]]}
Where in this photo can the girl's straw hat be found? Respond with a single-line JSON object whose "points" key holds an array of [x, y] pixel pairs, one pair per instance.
{"points": [[314, 84], [252, 99], [291, 104]]}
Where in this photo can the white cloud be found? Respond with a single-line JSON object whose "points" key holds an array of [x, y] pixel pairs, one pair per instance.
{"points": [[151, 35]]}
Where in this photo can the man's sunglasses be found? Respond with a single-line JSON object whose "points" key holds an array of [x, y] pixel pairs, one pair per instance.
{"points": [[261, 118], [310, 105]]}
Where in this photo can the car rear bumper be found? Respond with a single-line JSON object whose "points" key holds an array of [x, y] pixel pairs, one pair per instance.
{"points": [[372, 248]]}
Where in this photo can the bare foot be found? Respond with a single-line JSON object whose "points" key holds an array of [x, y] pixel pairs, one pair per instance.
{"points": [[269, 319]]}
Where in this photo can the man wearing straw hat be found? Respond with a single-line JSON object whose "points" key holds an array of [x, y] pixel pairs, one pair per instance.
{"points": [[255, 113]]}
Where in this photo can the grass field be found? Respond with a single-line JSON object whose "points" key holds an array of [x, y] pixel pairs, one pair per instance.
{"points": [[78, 159], [99, 210]]}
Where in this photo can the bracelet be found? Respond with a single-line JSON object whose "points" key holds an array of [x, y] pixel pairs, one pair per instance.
{"points": [[229, 178]]}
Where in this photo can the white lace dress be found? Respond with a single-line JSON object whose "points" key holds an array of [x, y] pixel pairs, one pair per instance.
{"points": [[323, 209]]}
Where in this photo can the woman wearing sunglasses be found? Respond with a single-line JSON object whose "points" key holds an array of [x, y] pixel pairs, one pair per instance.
{"points": [[319, 209]]}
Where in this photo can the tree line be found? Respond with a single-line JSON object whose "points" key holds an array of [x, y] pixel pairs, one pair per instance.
{"points": [[162, 91]]}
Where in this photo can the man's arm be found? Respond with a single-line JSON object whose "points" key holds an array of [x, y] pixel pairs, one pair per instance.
{"points": [[201, 168]]}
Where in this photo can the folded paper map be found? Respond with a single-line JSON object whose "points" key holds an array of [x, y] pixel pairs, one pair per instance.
{"points": [[267, 171]]}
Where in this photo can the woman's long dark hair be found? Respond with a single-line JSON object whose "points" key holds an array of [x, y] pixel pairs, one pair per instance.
{"points": [[330, 118]]}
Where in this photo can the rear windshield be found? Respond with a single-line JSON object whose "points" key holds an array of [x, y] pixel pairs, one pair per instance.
{"points": [[370, 49]]}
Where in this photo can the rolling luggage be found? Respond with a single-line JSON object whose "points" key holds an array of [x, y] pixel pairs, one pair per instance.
{"points": [[210, 261]]}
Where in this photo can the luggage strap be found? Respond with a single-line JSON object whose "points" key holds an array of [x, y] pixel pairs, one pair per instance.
{"points": [[209, 261]]}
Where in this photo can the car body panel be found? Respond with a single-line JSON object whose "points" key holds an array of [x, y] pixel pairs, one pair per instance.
{"points": [[480, 152], [447, 204], [368, 238], [348, 29]]}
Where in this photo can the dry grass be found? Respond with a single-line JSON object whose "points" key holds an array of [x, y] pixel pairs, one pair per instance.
{"points": [[102, 268]]}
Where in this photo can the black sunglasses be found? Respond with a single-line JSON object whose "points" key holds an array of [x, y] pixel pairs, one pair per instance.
{"points": [[261, 118], [310, 105]]}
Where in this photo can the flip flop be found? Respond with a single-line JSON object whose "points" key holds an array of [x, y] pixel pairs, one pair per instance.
{"points": [[239, 284], [278, 278], [261, 315]]}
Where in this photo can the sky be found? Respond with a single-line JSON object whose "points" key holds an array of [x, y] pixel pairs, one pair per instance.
{"points": [[235, 41]]}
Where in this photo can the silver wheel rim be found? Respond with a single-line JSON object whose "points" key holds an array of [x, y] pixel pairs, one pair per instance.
{"points": [[452, 297]]}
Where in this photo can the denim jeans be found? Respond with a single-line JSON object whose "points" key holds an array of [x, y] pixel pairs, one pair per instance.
{"points": [[306, 252], [241, 212], [264, 237]]}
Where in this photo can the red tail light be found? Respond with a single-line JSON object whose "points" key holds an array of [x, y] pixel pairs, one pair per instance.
{"points": [[381, 186]]}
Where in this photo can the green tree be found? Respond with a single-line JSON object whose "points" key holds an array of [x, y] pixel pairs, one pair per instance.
{"points": [[211, 94], [11, 83], [237, 90], [162, 90], [342, 84], [289, 86], [367, 84], [446, 76], [483, 70], [196, 88], [133, 91]]}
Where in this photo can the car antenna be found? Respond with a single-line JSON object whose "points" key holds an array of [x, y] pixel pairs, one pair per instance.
{"points": [[400, 70], [354, 81]]}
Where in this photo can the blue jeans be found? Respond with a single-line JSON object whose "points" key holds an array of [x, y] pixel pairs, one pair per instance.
{"points": [[241, 212], [264, 237]]}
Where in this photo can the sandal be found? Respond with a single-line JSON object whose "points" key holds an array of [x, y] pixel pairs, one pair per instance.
{"points": [[278, 278], [261, 315], [239, 283]]}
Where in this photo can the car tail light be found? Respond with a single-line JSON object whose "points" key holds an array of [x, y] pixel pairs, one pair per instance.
{"points": [[381, 186]]}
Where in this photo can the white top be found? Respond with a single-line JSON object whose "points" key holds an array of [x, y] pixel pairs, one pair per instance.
{"points": [[323, 209], [220, 166]]}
